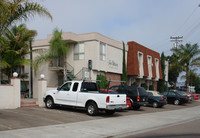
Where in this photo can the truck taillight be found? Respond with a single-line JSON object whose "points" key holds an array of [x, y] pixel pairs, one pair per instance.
{"points": [[162, 99], [138, 98], [107, 99]]}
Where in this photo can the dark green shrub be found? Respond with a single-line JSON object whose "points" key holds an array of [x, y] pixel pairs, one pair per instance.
{"points": [[102, 83], [151, 87], [144, 85]]}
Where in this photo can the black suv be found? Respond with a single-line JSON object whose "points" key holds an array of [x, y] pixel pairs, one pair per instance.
{"points": [[175, 97], [138, 95]]}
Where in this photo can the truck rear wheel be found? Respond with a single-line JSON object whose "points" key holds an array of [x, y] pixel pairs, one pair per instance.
{"points": [[49, 103], [92, 109]]}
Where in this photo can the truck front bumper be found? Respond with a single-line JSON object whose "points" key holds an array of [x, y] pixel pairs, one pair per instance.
{"points": [[116, 107]]}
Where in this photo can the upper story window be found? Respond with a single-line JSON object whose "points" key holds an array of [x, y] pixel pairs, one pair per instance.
{"points": [[157, 68], [149, 62], [79, 51], [102, 51], [140, 61]]}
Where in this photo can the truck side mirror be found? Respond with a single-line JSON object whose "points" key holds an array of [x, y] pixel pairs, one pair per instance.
{"points": [[58, 89]]}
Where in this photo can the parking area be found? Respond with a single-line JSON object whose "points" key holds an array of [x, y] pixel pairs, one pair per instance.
{"points": [[35, 116]]}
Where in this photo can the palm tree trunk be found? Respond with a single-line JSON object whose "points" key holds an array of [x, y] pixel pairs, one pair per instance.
{"points": [[187, 75]]}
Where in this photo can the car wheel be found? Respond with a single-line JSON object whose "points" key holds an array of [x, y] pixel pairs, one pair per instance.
{"points": [[176, 102], [136, 107], [155, 104], [110, 112], [92, 109], [49, 103]]}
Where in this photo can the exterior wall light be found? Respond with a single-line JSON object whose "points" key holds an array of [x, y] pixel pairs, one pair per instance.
{"points": [[15, 74], [42, 76]]}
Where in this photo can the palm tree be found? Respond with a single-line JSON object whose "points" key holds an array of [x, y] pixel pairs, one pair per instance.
{"points": [[189, 56], [58, 50], [12, 11], [15, 10], [15, 44]]}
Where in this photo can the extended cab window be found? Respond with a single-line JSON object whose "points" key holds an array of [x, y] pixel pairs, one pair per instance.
{"points": [[66, 87], [89, 86], [75, 87]]}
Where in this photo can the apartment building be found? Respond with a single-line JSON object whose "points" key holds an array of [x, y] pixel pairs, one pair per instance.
{"points": [[143, 65], [89, 54]]}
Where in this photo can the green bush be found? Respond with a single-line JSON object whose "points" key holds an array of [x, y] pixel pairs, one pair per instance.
{"points": [[134, 84], [151, 87], [144, 85], [103, 82]]}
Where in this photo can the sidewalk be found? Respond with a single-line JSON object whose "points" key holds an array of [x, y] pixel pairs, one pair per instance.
{"points": [[109, 127]]}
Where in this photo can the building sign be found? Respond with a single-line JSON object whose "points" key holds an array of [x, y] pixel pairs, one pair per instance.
{"points": [[87, 74], [112, 63]]}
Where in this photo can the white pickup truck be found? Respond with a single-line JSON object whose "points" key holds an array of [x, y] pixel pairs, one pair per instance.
{"points": [[85, 94]]}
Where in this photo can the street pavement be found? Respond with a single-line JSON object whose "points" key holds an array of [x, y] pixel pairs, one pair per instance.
{"points": [[109, 127]]}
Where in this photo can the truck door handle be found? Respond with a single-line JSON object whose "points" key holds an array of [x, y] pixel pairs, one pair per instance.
{"points": [[118, 96]]}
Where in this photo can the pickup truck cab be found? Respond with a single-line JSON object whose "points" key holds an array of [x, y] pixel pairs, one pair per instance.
{"points": [[85, 94]]}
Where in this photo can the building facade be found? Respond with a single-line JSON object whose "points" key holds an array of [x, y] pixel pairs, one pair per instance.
{"points": [[143, 66], [88, 55]]}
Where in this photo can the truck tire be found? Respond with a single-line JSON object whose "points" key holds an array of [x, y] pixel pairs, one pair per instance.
{"points": [[49, 103], [110, 112], [92, 109]]}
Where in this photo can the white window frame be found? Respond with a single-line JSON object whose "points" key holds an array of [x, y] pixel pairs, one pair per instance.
{"points": [[79, 51], [141, 65], [150, 64], [157, 68], [102, 50]]}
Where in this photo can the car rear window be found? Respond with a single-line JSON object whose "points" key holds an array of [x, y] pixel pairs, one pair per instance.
{"points": [[142, 91]]}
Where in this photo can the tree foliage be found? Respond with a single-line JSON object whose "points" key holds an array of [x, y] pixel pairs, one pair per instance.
{"points": [[103, 83], [58, 50], [188, 57], [124, 69], [15, 45], [162, 86], [12, 11]]}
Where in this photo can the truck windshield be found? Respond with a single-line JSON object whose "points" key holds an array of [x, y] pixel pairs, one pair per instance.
{"points": [[89, 86]]}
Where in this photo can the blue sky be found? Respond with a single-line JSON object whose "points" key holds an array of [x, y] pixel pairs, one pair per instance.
{"points": [[148, 22]]}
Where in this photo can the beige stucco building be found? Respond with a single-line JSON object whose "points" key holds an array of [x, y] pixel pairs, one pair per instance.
{"points": [[104, 53]]}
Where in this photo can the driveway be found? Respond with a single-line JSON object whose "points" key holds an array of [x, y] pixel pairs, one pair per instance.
{"points": [[36, 116]]}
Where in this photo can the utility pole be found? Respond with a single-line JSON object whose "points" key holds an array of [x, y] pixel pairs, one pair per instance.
{"points": [[176, 40]]}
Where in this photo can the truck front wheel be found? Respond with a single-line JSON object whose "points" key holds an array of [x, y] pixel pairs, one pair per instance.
{"points": [[49, 103], [92, 109]]}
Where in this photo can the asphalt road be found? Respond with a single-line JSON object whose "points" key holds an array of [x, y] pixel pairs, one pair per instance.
{"points": [[189, 129], [28, 117], [114, 126]]}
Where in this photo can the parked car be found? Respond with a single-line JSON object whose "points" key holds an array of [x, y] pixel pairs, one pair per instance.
{"points": [[175, 97], [196, 96], [191, 96], [85, 94], [156, 100], [138, 95]]}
